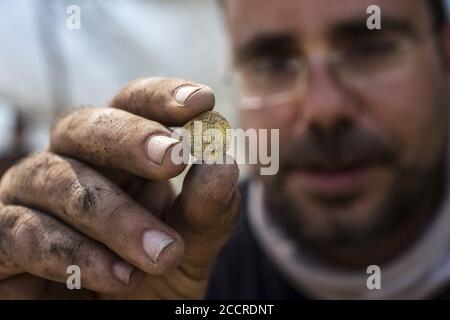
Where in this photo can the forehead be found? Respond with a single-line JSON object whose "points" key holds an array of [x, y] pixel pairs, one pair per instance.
{"points": [[312, 18]]}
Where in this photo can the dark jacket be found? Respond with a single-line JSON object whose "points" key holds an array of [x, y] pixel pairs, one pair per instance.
{"points": [[244, 271]]}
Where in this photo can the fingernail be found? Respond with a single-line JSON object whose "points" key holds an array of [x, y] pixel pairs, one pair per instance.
{"points": [[157, 147], [123, 271], [155, 242], [183, 93]]}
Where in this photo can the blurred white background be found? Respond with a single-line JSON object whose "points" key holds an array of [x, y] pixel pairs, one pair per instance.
{"points": [[47, 68]]}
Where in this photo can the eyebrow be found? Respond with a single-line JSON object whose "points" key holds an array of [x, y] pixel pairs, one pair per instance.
{"points": [[358, 28], [266, 44], [269, 44]]}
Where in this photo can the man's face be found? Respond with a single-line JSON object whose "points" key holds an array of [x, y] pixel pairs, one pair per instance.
{"points": [[363, 143]]}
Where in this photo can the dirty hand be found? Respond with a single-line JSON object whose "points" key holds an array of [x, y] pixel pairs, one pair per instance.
{"points": [[99, 199]]}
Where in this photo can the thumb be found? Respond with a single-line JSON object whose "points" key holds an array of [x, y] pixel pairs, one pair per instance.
{"points": [[205, 213]]}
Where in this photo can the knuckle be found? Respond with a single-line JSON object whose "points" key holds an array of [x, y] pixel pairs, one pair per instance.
{"points": [[120, 129], [41, 239], [68, 122], [39, 172], [9, 220], [58, 181], [11, 174], [74, 251], [23, 233], [30, 166], [82, 198], [115, 208], [25, 224], [87, 200]]}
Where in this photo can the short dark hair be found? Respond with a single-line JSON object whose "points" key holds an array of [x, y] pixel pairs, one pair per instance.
{"points": [[438, 10]]}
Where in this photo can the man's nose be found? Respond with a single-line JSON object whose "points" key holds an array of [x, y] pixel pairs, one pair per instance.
{"points": [[327, 106]]}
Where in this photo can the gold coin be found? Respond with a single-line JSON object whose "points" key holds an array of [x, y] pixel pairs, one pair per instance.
{"points": [[209, 134]]}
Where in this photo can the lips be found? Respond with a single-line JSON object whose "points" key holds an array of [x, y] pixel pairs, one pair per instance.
{"points": [[333, 179]]}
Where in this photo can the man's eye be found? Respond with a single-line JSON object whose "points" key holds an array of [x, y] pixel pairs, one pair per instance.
{"points": [[273, 66], [373, 48]]}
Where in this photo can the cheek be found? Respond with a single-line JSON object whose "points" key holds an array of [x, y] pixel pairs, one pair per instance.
{"points": [[269, 118], [272, 118], [413, 118], [281, 118]]}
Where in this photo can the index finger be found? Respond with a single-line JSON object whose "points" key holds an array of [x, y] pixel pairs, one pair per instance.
{"points": [[134, 139], [169, 101]]}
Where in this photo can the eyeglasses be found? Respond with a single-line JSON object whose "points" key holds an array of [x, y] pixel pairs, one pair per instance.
{"points": [[276, 80]]}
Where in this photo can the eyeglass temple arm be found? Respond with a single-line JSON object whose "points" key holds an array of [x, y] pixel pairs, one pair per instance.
{"points": [[256, 103]]}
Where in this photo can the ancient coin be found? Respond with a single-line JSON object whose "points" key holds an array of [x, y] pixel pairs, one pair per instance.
{"points": [[209, 134]]}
